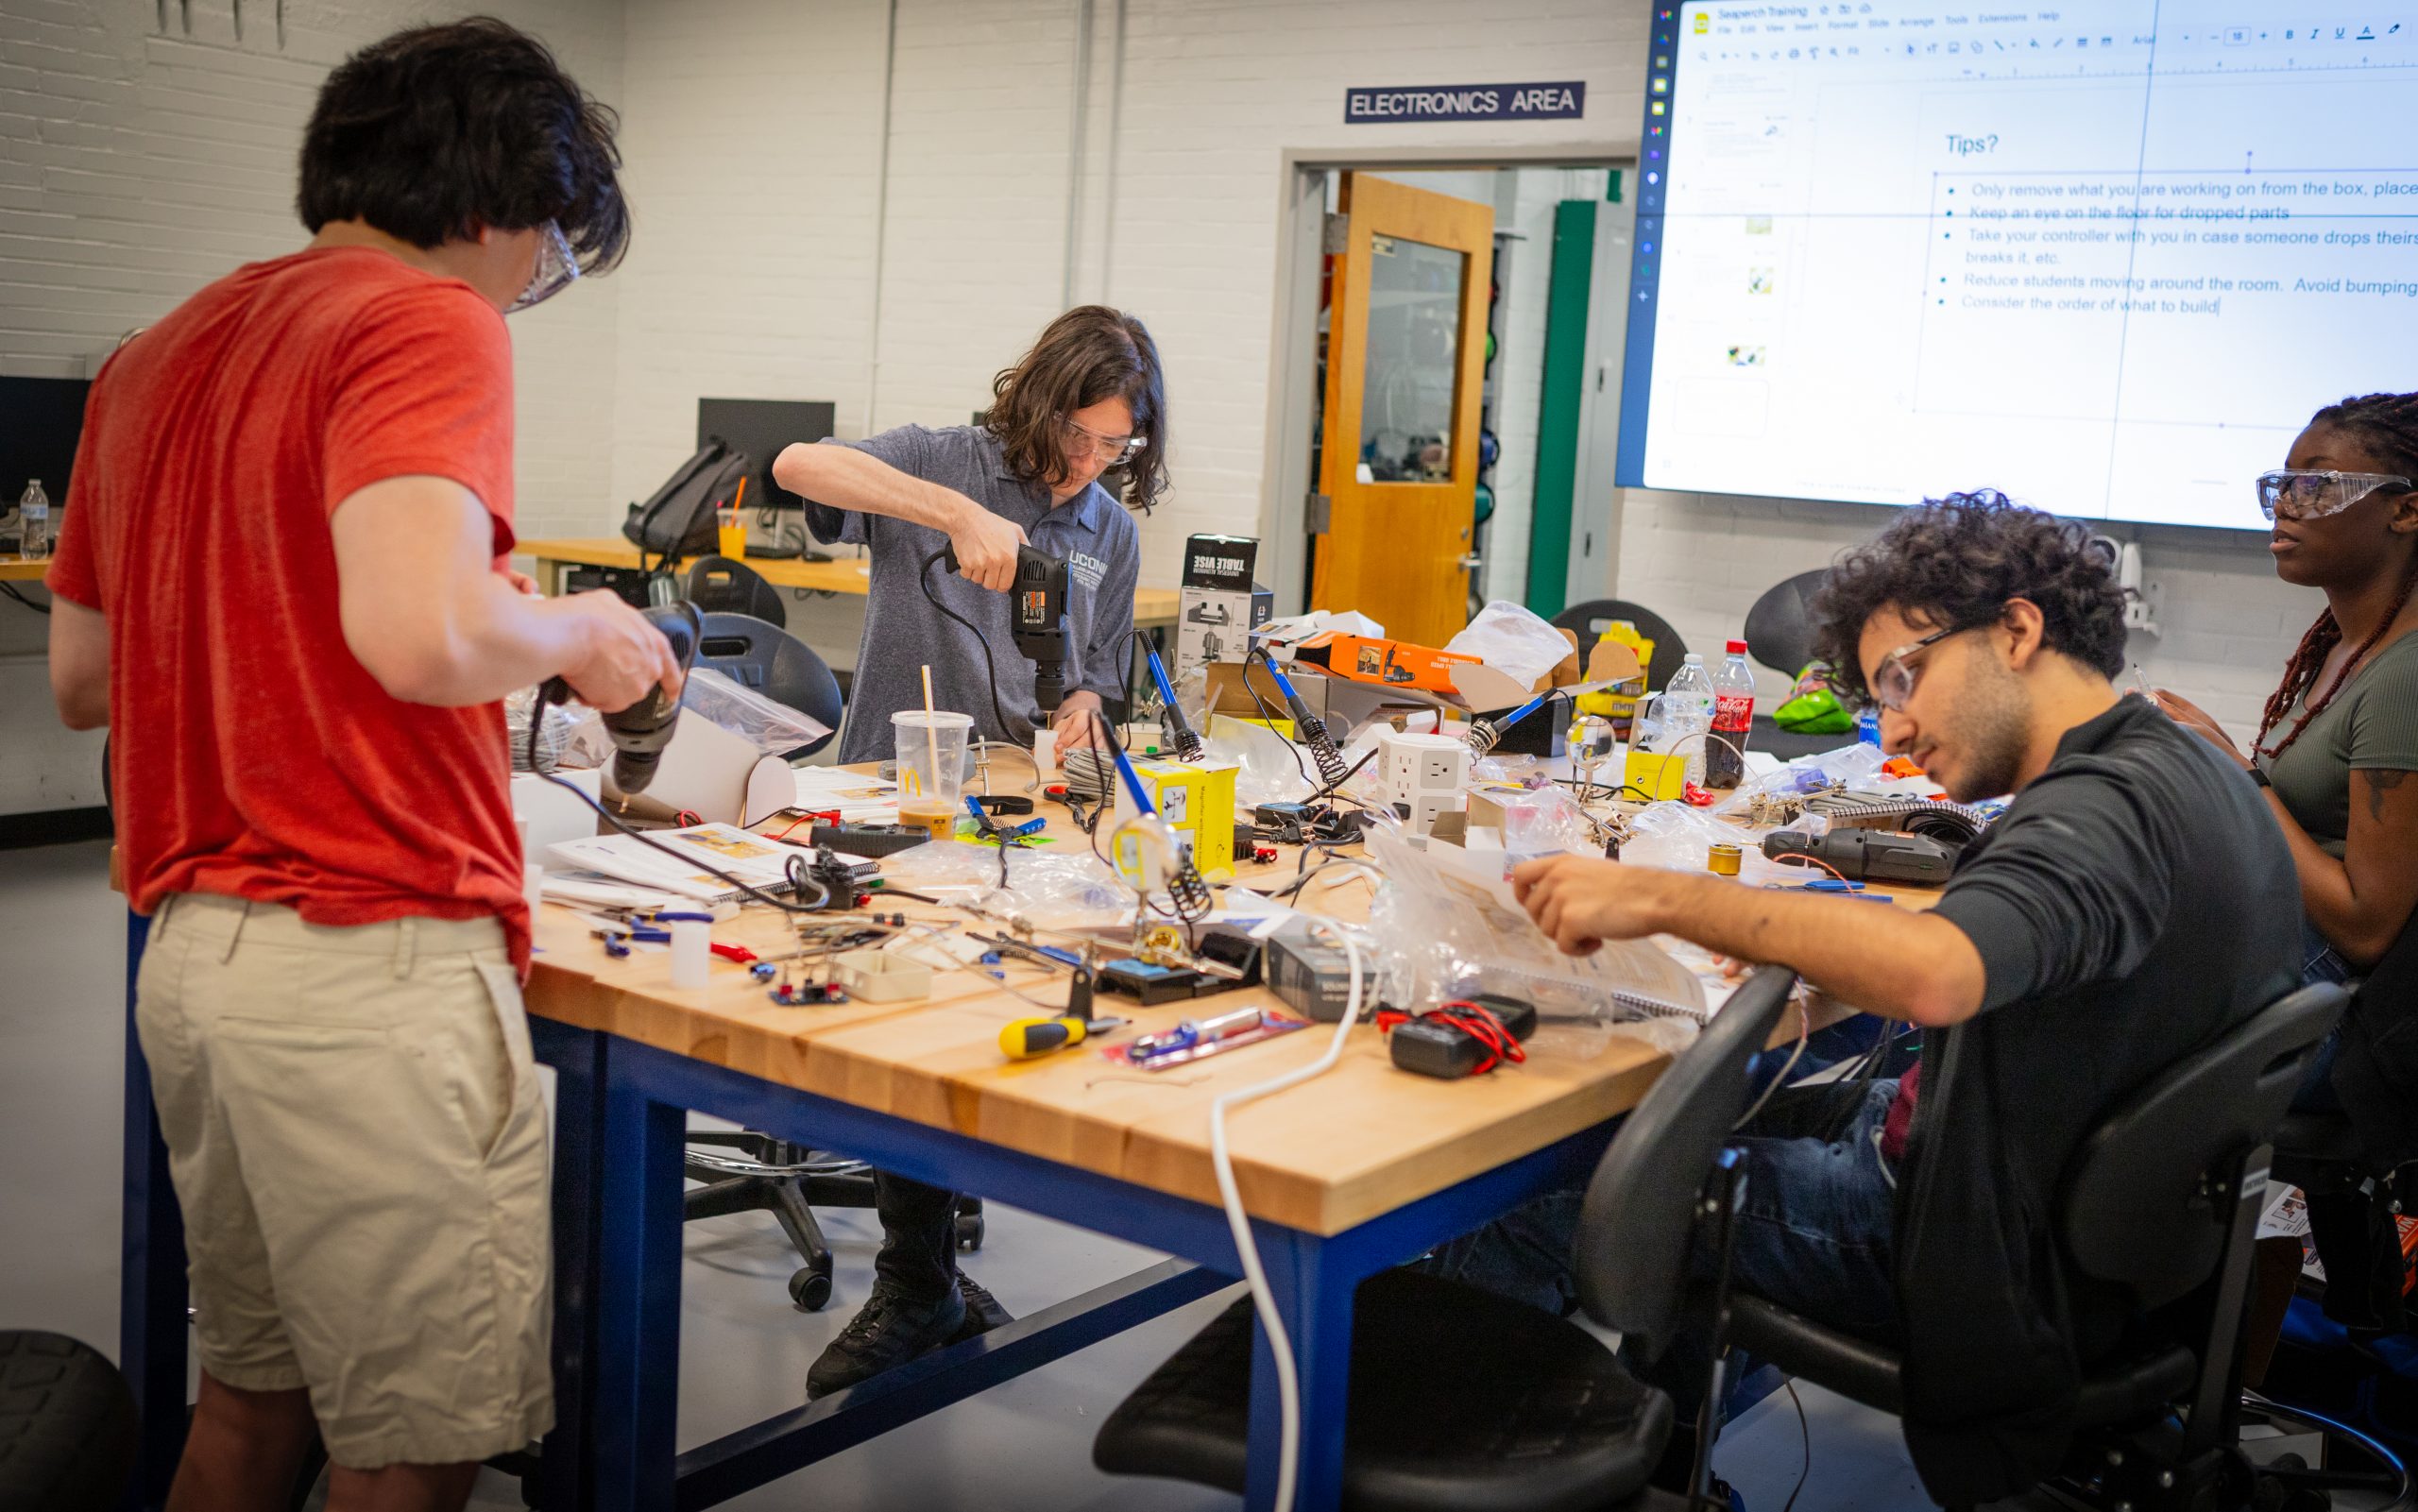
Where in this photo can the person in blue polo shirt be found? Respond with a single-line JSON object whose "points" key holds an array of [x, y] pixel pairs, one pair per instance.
{"points": [[1087, 398]]}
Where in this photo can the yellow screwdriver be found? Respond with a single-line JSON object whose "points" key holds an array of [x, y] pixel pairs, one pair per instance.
{"points": [[1028, 1037]]}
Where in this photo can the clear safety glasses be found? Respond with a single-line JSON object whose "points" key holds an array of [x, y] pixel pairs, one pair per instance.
{"points": [[1110, 450], [2303, 493], [557, 269]]}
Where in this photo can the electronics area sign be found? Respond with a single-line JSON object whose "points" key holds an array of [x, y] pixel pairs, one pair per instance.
{"points": [[1563, 101]]}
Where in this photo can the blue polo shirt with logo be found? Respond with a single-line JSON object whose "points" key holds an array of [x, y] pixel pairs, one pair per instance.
{"points": [[903, 630]]}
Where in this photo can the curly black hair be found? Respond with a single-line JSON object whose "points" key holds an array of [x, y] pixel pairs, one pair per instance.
{"points": [[1955, 562], [438, 131]]}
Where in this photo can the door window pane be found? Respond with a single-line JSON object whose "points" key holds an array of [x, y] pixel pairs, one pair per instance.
{"points": [[1414, 361]]}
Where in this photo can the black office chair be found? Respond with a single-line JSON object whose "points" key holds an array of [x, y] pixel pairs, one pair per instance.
{"points": [[717, 584], [2154, 1203], [68, 1429], [1779, 627], [1464, 1400], [1588, 620], [778, 664]]}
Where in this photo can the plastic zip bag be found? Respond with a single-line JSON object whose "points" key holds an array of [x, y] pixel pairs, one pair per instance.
{"points": [[1448, 928], [1058, 889], [571, 737], [1513, 640], [772, 728]]}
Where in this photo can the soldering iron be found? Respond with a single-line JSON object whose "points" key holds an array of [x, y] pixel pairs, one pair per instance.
{"points": [[1308, 726], [1181, 737]]}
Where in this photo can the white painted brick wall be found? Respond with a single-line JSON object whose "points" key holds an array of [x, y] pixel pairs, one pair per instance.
{"points": [[136, 167]]}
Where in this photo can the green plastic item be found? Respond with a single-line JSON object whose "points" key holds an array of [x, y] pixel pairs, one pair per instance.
{"points": [[1814, 705]]}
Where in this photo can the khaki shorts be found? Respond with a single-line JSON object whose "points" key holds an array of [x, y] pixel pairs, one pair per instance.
{"points": [[357, 1138]]}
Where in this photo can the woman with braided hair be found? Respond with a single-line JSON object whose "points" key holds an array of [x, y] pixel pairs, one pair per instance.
{"points": [[2339, 740]]}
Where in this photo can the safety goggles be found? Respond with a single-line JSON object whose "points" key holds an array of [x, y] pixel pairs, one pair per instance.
{"points": [[1110, 450], [557, 269], [1893, 681], [2305, 493]]}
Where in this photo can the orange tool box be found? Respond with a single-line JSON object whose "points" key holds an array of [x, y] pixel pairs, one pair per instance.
{"points": [[1391, 663]]}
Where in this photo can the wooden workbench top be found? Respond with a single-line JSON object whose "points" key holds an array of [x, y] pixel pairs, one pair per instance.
{"points": [[1348, 1147]]}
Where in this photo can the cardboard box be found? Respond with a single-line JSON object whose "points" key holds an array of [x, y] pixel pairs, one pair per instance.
{"points": [[1231, 685], [1219, 604], [1197, 800]]}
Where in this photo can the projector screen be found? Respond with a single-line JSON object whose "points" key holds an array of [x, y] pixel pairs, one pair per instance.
{"points": [[2105, 256]]}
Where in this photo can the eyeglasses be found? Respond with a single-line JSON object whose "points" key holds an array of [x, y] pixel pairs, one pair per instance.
{"points": [[1893, 681], [557, 269], [1110, 450], [2302, 493]]}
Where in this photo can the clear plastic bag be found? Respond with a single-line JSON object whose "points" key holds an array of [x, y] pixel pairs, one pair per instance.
{"points": [[1545, 822], [1269, 767], [1676, 836], [1056, 888], [1849, 766], [774, 729], [572, 737], [1513, 640], [1447, 928]]}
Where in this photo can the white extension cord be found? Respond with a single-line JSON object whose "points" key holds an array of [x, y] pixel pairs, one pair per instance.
{"points": [[1289, 1385]]}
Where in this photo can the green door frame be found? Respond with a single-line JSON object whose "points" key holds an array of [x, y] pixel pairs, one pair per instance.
{"points": [[1565, 381]]}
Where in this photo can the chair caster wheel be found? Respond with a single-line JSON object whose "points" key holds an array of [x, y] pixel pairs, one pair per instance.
{"points": [[969, 1232], [810, 1289]]}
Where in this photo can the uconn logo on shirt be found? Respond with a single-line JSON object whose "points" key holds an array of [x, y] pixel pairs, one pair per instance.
{"points": [[1088, 570]]}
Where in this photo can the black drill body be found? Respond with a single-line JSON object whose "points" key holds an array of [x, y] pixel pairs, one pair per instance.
{"points": [[1037, 614], [641, 731]]}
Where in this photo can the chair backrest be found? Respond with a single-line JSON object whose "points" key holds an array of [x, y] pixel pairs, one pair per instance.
{"points": [[775, 664], [1588, 622], [2134, 1208], [1641, 1207], [1779, 631], [720, 585]]}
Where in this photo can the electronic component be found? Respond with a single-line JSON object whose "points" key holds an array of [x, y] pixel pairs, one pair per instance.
{"points": [[870, 839], [1466, 1037], [1194, 1039], [1868, 855], [1151, 985], [1309, 969], [1230, 947], [1421, 775], [1940, 818]]}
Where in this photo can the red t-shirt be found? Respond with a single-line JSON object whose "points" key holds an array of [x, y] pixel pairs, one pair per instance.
{"points": [[251, 754]]}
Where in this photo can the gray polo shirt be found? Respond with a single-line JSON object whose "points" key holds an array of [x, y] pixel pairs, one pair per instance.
{"points": [[903, 631]]}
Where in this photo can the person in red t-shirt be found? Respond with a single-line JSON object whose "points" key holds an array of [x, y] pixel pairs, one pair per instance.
{"points": [[281, 585]]}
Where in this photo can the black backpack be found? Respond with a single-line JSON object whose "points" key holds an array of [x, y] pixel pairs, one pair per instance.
{"points": [[679, 519]]}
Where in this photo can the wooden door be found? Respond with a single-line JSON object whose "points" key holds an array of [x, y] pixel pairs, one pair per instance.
{"points": [[1406, 358]]}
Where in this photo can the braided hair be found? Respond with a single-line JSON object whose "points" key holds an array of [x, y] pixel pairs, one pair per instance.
{"points": [[2388, 424]]}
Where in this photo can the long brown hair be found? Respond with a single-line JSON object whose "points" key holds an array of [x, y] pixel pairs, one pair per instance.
{"points": [[2388, 425], [1087, 356]]}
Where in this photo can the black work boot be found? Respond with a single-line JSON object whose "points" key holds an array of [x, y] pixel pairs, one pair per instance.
{"points": [[890, 1330], [982, 1310]]}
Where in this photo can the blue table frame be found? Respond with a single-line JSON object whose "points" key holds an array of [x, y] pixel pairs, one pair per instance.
{"points": [[621, 1109]]}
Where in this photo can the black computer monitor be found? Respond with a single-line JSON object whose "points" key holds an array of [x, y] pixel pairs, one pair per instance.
{"points": [[44, 416], [761, 427]]}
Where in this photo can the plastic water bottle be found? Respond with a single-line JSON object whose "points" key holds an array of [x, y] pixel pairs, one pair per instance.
{"points": [[33, 520], [1687, 714], [1733, 716]]}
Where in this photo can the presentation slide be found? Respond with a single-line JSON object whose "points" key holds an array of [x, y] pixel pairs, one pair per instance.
{"points": [[2106, 257]]}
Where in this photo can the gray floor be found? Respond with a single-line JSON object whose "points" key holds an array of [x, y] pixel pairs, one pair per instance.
{"points": [[744, 1350]]}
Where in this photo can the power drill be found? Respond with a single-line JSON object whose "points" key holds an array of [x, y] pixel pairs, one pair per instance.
{"points": [[642, 730], [1037, 613]]}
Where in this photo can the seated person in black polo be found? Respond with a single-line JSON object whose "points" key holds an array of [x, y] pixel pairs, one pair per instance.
{"points": [[2135, 901]]}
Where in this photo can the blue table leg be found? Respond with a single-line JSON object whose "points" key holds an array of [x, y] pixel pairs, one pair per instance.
{"points": [[633, 1384], [1313, 1292], [152, 1332], [578, 1059]]}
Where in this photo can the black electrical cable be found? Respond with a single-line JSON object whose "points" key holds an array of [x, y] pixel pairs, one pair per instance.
{"points": [[536, 718], [1268, 716], [11, 590], [1007, 729]]}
